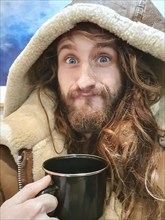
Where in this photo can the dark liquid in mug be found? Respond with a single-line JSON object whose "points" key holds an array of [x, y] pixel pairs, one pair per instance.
{"points": [[75, 165]]}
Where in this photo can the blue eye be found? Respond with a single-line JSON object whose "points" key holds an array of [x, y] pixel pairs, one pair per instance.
{"points": [[71, 60], [103, 59]]}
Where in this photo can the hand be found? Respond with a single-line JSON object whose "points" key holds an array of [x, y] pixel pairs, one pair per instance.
{"points": [[24, 204]]}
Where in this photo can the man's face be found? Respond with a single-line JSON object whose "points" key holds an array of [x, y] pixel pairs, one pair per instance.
{"points": [[90, 81]]}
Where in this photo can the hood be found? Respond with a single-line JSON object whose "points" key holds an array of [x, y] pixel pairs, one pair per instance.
{"points": [[137, 22]]}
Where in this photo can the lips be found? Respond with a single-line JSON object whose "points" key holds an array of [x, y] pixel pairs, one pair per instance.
{"points": [[85, 95], [78, 94], [87, 102]]}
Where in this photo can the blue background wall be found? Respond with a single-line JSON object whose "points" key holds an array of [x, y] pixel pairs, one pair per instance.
{"points": [[19, 21]]}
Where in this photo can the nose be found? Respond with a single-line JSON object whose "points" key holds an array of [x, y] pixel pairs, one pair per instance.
{"points": [[86, 80]]}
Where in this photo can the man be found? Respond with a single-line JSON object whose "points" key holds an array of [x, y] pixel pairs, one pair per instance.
{"points": [[84, 89]]}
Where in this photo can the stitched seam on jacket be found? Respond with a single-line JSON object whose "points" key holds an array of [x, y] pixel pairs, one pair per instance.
{"points": [[139, 10]]}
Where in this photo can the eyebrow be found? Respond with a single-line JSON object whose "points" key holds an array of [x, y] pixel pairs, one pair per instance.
{"points": [[68, 46], [104, 44]]}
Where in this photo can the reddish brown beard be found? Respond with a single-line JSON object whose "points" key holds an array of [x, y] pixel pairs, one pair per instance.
{"points": [[94, 121], [87, 123]]}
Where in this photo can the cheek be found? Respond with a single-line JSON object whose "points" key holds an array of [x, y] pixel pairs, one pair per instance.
{"points": [[65, 80], [62, 82], [112, 80]]}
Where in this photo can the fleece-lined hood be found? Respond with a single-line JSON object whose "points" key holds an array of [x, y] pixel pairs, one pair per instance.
{"points": [[137, 22], [25, 124]]}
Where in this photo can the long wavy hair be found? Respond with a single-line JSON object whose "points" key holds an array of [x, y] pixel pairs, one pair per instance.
{"points": [[129, 141]]}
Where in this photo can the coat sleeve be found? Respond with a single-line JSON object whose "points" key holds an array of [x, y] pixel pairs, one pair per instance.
{"points": [[161, 171], [8, 180]]}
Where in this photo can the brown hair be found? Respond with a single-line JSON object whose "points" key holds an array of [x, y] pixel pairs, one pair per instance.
{"points": [[129, 141]]}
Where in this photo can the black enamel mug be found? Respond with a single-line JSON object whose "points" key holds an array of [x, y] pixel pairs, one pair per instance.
{"points": [[79, 183]]}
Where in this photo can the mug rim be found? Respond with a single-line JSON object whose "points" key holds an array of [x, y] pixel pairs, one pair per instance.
{"points": [[75, 174]]}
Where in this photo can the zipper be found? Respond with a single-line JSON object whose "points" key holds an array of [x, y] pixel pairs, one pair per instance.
{"points": [[19, 162], [24, 167]]}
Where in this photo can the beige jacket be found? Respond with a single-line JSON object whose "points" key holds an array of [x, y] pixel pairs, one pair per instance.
{"points": [[25, 125]]}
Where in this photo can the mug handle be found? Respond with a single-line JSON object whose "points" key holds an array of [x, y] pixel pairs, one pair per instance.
{"points": [[50, 190]]}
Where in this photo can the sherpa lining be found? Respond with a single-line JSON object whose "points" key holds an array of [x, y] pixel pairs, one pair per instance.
{"points": [[28, 125], [136, 34]]}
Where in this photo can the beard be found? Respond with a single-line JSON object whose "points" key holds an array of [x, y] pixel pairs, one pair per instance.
{"points": [[90, 118]]}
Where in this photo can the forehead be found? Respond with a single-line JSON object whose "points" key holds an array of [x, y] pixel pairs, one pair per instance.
{"points": [[74, 42], [89, 30], [95, 37], [72, 39], [79, 42]]}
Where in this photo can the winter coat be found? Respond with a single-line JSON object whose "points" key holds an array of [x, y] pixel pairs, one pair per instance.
{"points": [[25, 124]]}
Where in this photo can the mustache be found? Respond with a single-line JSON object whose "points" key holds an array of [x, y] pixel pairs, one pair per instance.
{"points": [[93, 92]]}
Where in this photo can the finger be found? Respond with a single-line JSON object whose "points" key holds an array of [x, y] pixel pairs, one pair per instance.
{"points": [[30, 190], [45, 217], [39, 206], [54, 218], [34, 208], [46, 202]]}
